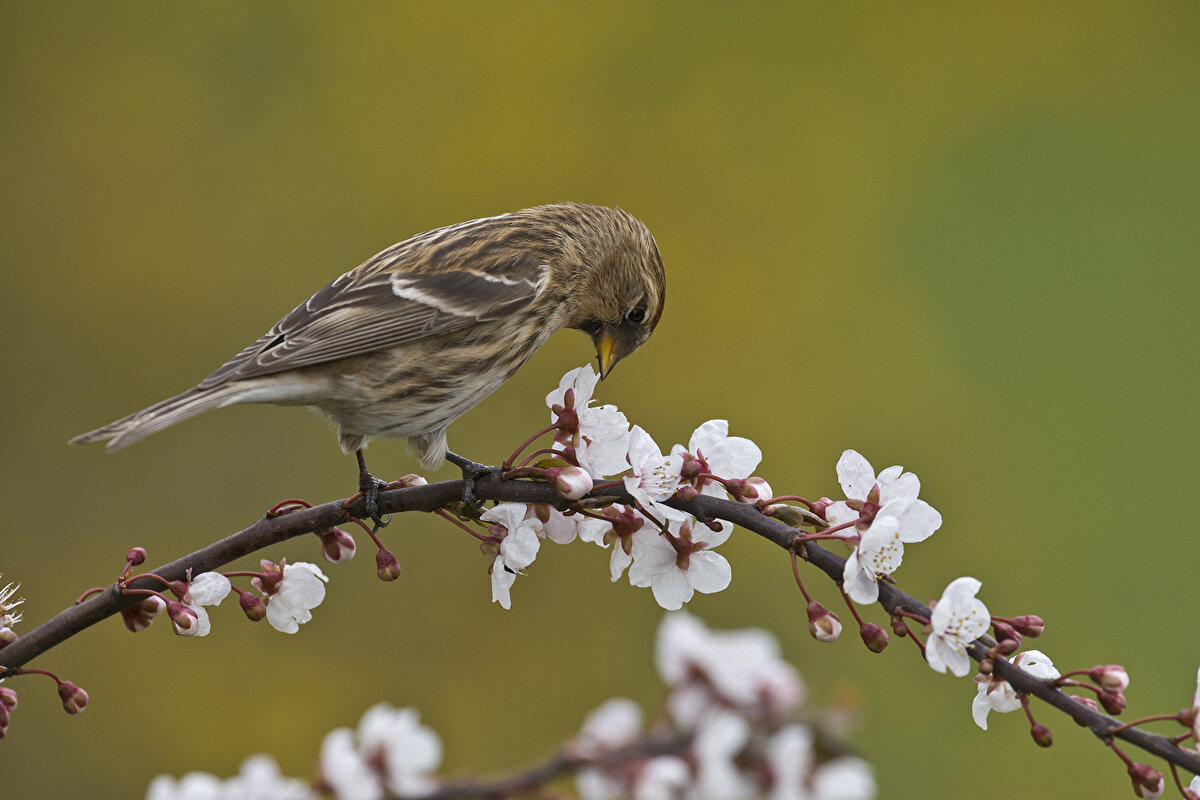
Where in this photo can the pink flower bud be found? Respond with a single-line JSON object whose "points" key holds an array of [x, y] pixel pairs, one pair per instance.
{"points": [[135, 556], [386, 565], [1147, 781], [337, 545], [252, 606], [1113, 702], [572, 482], [873, 636], [7, 636], [823, 624], [1111, 676], [5, 715], [184, 620], [74, 699], [139, 616], [1030, 625], [1041, 735], [8, 697], [687, 492], [1007, 646], [691, 468]]}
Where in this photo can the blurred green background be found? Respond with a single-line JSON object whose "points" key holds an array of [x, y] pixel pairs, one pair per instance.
{"points": [[959, 240]]}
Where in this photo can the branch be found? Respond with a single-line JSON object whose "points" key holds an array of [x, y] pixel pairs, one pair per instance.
{"points": [[271, 530]]}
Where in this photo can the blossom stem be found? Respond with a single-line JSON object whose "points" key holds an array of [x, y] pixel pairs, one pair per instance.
{"points": [[88, 593], [451, 518], [291, 504], [791, 498], [508, 462], [1154, 718], [544, 451], [800, 583], [33, 671], [850, 605]]}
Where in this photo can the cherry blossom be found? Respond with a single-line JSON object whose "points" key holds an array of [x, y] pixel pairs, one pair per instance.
{"points": [[518, 546], [258, 779], [405, 750], [676, 568], [655, 476], [599, 434], [741, 669], [892, 493], [206, 589], [291, 596], [958, 619], [998, 695], [616, 531], [715, 452], [878, 553]]}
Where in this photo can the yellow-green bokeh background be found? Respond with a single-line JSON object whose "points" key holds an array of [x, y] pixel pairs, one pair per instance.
{"points": [[959, 239]]}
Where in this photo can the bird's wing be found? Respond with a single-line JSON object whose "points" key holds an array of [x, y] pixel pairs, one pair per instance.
{"points": [[416, 289]]}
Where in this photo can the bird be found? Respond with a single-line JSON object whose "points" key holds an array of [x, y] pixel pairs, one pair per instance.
{"points": [[411, 339]]}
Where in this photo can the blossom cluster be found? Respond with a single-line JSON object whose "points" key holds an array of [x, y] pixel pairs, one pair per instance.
{"points": [[733, 699], [659, 546], [731, 732]]}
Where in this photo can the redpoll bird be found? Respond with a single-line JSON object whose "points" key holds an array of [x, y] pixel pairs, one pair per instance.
{"points": [[410, 340]]}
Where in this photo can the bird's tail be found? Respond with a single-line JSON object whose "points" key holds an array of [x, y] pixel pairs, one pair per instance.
{"points": [[127, 430]]}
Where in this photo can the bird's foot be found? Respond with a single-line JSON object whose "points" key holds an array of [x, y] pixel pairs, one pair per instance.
{"points": [[471, 471], [369, 485]]}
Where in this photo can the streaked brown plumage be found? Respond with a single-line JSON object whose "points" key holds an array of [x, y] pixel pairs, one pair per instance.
{"points": [[408, 341]]}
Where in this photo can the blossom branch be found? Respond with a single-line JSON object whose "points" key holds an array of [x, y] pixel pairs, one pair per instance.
{"points": [[273, 529]]}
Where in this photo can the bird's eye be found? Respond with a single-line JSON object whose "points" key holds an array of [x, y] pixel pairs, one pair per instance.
{"points": [[636, 315]]}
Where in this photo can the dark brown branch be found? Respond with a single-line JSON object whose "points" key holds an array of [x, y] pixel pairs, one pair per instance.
{"points": [[273, 530]]}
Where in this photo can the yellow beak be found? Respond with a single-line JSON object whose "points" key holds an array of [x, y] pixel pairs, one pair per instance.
{"points": [[606, 352]]}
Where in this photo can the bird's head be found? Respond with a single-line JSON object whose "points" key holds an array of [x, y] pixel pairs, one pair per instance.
{"points": [[618, 286]]}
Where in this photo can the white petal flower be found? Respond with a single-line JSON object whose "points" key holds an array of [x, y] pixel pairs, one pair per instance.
{"points": [[518, 547], [897, 497], [789, 757], [878, 553], [603, 438], [675, 577], [958, 619], [206, 589], [742, 669], [260, 779], [614, 724], [722, 735], [301, 589], [192, 786], [844, 778], [345, 770], [662, 778], [655, 476], [407, 751], [998, 695]]}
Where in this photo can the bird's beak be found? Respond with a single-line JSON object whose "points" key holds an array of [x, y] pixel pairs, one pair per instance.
{"points": [[606, 351]]}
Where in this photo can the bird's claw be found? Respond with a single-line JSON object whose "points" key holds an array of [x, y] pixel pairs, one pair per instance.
{"points": [[370, 489], [471, 471]]}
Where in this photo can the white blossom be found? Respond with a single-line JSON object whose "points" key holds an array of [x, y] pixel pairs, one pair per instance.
{"points": [[206, 589], [662, 778], [958, 619], [878, 553], [995, 694], [603, 438], [655, 476], [672, 575], [742, 669], [301, 589], [897, 497], [721, 736], [407, 750], [726, 456], [258, 779], [518, 547]]}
